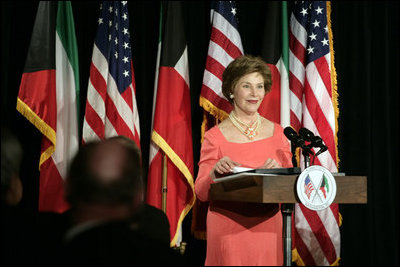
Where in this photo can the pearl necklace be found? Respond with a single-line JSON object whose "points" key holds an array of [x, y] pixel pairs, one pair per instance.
{"points": [[250, 131]]}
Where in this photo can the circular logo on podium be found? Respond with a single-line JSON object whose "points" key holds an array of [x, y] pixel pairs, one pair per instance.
{"points": [[316, 188]]}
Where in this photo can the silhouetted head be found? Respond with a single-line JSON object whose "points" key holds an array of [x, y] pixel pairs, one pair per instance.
{"points": [[106, 173], [11, 156]]}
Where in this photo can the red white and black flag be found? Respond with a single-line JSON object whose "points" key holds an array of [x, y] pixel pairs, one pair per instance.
{"points": [[48, 97], [275, 51], [171, 150]]}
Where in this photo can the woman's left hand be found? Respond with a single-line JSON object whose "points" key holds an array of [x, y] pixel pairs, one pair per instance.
{"points": [[270, 164]]}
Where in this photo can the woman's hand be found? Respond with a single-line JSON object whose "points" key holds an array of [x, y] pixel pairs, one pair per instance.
{"points": [[224, 165], [270, 164]]}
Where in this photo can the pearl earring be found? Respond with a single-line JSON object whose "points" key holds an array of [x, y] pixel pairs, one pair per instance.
{"points": [[231, 96]]}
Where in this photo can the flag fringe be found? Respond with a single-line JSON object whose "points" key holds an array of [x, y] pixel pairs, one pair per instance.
{"points": [[213, 110], [203, 127], [217, 113], [41, 125], [158, 140], [335, 93], [163, 145], [336, 263], [299, 261], [296, 258], [180, 221]]}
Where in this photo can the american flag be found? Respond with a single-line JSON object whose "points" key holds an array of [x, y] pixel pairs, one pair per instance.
{"points": [[314, 106], [225, 45], [111, 108], [308, 187]]}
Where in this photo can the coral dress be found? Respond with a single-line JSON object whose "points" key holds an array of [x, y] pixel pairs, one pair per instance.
{"points": [[240, 233]]}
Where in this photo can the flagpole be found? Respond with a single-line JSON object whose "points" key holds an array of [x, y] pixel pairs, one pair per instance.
{"points": [[164, 184]]}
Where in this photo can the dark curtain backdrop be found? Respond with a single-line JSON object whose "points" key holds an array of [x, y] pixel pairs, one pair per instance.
{"points": [[366, 42]]}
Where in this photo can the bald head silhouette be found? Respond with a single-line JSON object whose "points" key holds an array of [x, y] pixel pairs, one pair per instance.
{"points": [[106, 172]]}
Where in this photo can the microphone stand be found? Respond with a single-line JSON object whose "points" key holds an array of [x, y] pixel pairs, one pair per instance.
{"points": [[306, 159], [287, 211], [293, 148]]}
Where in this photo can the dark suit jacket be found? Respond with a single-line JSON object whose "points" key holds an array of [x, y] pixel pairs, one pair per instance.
{"points": [[116, 244], [152, 222], [18, 236], [144, 239]]}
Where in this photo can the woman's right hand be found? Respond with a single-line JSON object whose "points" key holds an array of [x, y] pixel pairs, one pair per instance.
{"points": [[224, 165]]}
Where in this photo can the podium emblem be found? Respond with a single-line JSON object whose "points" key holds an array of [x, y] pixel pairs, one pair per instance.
{"points": [[316, 188]]}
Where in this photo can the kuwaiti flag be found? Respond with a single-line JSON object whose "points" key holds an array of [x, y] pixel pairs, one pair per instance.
{"points": [[171, 150], [48, 97], [324, 186], [275, 51]]}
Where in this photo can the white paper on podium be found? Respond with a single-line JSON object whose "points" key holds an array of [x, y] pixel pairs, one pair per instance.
{"points": [[240, 172], [240, 169], [239, 175]]}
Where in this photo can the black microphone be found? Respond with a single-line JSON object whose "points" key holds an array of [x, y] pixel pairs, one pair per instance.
{"points": [[290, 133], [315, 141], [296, 140], [306, 134]]}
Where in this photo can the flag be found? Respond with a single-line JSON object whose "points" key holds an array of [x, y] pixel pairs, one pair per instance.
{"points": [[275, 51], [308, 187], [111, 108], [225, 45], [48, 94], [171, 149], [313, 104], [324, 186]]}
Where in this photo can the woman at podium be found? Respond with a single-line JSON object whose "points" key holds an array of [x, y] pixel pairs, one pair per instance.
{"points": [[240, 233]]}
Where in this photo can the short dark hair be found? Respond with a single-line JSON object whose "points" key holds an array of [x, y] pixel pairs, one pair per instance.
{"points": [[241, 66], [86, 184]]}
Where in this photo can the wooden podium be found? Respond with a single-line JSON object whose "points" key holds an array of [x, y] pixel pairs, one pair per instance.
{"points": [[267, 188]]}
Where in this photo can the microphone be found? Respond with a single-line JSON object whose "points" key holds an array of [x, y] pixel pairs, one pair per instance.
{"points": [[296, 140], [306, 134], [290, 133], [315, 141]]}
